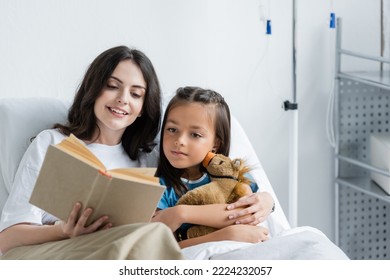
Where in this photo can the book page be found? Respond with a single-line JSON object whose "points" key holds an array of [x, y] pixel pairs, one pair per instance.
{"points": [[141, 175], [78, 149]]}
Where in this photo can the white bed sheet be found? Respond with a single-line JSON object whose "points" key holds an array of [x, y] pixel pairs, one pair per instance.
{"points": [[301, 243]]}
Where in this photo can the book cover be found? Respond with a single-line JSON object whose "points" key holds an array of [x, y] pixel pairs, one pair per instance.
{"points": [[71, 173]]}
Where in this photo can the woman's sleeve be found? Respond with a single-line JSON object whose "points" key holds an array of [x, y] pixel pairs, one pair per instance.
{"points": [[17, 208]]}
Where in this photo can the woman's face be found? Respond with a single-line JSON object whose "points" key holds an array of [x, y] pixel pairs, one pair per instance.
{"points": [[120, 102]]}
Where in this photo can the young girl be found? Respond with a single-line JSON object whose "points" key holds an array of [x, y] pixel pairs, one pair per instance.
{"points": [[197, 121], [116, 112]]}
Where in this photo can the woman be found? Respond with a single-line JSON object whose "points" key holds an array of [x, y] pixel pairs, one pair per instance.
{"points": [[116, 112]]}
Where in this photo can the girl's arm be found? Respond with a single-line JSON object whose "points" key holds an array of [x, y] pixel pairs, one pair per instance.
{"points": [[252, 209], [243, 233], [213, 215], [28, 234]]}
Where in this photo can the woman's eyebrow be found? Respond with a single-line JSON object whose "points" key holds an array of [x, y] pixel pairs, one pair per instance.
{"points": [[120, 81], [139, 86], [115, 78]]}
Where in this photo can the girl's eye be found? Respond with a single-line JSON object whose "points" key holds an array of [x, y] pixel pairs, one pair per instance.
{"points": [[196, 135], [170, 129]]}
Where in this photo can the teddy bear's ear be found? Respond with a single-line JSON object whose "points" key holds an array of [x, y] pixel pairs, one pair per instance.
{"points": [[237, 162]]}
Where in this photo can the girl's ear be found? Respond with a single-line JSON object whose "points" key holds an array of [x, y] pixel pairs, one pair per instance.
{"points": [[216, 146]]}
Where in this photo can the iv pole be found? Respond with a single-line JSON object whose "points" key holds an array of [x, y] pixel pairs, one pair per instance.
{"points": [[293, 156]]}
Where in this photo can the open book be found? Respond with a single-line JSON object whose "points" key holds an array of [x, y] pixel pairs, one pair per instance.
{"points": [[71, 172]]}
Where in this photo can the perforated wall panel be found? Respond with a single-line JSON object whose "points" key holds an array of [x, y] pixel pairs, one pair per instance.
{"points": [[364, 227]]}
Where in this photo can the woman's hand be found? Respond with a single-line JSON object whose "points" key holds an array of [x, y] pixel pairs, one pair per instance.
{"points": [[170, 216], [74, 227], [257, 205]]}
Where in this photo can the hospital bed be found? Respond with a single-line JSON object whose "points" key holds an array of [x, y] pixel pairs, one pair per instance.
{"points": [[23, 118]]}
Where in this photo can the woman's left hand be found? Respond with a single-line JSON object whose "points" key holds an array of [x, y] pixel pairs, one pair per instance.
{"points": [[257, 205]]}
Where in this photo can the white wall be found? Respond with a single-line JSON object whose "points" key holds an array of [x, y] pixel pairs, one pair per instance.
{"points": [[360, 33], [45, 47]]}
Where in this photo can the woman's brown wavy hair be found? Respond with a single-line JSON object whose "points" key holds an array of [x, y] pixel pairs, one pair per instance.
{"points": [[140, 135]]}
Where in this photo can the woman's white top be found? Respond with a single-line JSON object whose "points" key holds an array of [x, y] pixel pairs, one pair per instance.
{"points": [[17, 209]]}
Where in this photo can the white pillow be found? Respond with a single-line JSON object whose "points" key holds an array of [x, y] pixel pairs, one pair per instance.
{"points": [[241, 147], [22, 119]]}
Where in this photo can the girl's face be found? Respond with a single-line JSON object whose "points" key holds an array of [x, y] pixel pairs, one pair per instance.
{"points": [[120, 102], [188, 135]]}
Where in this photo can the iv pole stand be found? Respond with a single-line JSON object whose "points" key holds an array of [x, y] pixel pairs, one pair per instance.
{"points": [[293, 149]]}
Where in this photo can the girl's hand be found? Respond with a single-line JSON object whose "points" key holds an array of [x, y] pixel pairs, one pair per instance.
{"points": [[257, 205], [74, 227], [170, 216], [245, 233]]}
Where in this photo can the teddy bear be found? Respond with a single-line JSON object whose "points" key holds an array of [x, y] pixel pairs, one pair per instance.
{"points": [[227, 185]]}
